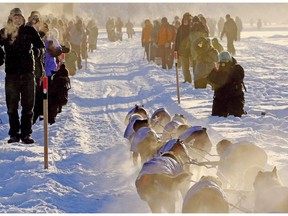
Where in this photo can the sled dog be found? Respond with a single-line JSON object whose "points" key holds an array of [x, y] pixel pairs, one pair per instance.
{"points": [[270, 195], [139, 109], [206, 196], [145, 143], [160, 179], [159, 119], [239, 163]]}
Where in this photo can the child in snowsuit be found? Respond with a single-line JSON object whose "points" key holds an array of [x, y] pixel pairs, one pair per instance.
{"points": [[227, 82], [58, 92]]}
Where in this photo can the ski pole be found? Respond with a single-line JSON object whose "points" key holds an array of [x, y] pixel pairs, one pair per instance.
{"points": [[45, 112], [177, 77]]}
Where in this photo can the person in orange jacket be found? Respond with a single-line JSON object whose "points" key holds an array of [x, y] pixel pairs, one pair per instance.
{"points": [[146, 38], [164, 38]]}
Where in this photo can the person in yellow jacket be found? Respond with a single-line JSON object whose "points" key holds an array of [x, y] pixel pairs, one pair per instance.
{"points": [[164, 38], [146, 38]]}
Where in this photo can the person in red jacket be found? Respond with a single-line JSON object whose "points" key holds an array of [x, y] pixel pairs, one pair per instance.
{"points": [[164, 38]]}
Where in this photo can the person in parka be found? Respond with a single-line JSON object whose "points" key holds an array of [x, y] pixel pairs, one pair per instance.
{"points": [[146, 39], [119, 25], [206, 60], [227, 82], [58, 92], [197, 30], [182, 46], [217, 45], [164, 38], [129, 29], [239, 25], [53, 50], [76, 34], [18, 40], [34, 20], [155, 49], [230, 30], [93, 35], [70, 60]]}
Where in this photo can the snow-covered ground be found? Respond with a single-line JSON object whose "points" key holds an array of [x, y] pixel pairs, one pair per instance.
{"points": [[90, 167]]}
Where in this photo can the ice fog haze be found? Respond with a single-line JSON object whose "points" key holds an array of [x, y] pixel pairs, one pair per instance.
{"points": [[137, 12]]}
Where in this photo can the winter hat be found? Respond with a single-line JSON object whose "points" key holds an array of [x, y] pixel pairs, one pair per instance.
{"points": [[147, 21], [187, 15], [34, 15], [195, 19], [15, 12], [224, 56], [164, 20]]}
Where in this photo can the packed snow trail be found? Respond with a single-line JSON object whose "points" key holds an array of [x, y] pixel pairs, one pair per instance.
{"points": [[90, 166]]}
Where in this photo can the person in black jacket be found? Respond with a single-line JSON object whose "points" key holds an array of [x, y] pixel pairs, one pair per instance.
{"points": [[18, 40], [34, 21], [227, 82]]}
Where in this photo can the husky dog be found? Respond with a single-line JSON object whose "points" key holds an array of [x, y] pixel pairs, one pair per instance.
{"points": [[145, 143], [197, 139], [159, 119], [160, 179], [198, 144], [180, 130], [185, 158], [170, 129], [139, 109], [270, 195], [239, 163], [129, 131], [206, 196]]}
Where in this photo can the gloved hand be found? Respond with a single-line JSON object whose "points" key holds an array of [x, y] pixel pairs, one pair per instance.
{"points": [[167, 45]]}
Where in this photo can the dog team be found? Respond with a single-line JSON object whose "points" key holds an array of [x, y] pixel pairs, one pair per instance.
{"points": [[171, 152]]}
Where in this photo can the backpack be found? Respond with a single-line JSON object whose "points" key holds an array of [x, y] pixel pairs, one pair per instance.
{"points": [[238, 76]]}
